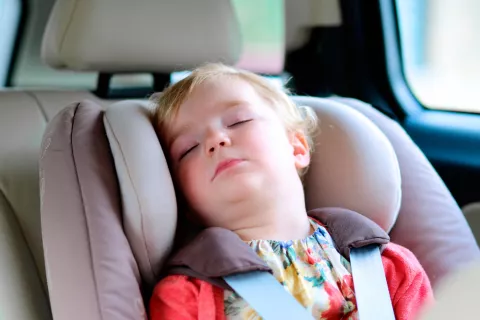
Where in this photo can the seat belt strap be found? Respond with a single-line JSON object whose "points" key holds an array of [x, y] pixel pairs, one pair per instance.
{"points": [[371, 289], [271, 301], [262, 291]]}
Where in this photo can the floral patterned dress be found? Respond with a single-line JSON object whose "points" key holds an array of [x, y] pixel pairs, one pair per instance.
{"points": [[310, 269]]}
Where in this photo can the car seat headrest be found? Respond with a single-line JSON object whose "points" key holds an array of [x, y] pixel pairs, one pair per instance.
{"points": [[354, 166], [140, 36]]}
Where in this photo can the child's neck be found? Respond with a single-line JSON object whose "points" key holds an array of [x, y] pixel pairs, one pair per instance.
{"points": [[283, 224]]}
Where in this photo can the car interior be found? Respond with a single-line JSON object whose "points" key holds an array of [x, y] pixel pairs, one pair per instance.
{"points": [[88, 213]]}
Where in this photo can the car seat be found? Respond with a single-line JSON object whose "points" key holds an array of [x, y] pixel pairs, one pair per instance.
{"points": [[81, 200], [107, 202]]}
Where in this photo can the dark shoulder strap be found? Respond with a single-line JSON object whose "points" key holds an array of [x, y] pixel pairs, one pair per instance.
{"points": [[214, 254], [350, 229]]}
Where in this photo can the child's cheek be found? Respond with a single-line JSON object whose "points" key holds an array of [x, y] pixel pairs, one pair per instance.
{"points": [[263, 139], [189, 175], [258, 136]]}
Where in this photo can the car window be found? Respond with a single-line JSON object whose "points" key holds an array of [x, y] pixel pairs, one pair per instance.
{"points": [[440, 50], [261, 24], [10, 11]]}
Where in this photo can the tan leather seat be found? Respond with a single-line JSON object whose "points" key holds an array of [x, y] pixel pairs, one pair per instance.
{"points": [[23, 119]]}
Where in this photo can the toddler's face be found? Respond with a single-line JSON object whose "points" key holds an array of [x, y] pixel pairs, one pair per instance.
{"points": [[228, 146]]}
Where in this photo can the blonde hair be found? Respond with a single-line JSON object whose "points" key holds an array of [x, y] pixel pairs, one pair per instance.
{"points": [[300, 119]]}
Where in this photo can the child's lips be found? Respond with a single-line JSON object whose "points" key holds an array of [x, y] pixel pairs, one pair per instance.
{"points": [[224, 165]]}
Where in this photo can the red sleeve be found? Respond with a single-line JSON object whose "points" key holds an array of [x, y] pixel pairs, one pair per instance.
{"points": [[179, 297], [408, 283]]}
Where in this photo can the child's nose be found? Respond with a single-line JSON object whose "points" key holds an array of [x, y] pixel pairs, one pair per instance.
{"points": [[216, 141]]}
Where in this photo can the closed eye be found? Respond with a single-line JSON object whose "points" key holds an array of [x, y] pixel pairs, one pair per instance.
{"points": [[239, 122], [187, 152]]}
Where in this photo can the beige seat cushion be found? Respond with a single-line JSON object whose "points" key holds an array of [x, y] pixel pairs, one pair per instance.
{"points": [[430, 222], [457, 295], [23, 119], [22, 294], [148, 196], [354, 165]]}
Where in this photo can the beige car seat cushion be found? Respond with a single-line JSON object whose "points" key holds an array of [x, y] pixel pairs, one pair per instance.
{"points": [[354, 165], [148, 196], [457, 295], [91, 271], [22, 295], [472, 214], [21, 126], [430, 222]]}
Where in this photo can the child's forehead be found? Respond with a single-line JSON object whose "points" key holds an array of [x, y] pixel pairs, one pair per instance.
{"points": [[222, 86], [217, 94]]}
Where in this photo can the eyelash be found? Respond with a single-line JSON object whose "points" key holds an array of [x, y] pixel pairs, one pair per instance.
{"points": [[187, 152], [239, 122], [193, 147]]}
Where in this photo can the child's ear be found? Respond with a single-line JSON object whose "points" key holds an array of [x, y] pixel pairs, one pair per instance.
{"points": [[301, 150]]}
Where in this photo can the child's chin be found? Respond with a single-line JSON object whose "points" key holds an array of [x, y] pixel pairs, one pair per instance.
{"points": [[242, 185]]}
